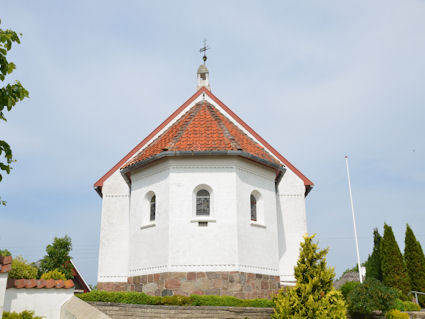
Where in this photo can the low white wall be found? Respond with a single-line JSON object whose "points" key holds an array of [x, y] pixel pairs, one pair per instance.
{"points": [[75, 308], [3, 283], [44, 302]]}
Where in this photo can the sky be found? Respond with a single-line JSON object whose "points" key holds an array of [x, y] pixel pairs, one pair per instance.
{"points": [[317, 79]]}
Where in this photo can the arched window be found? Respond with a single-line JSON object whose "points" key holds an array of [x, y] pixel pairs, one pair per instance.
{"points": [[253, 208], [202, 203], [152, 208]]}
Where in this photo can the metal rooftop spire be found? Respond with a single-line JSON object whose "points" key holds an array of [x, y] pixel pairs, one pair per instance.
{"points": [[203, 74], [204, 49]]}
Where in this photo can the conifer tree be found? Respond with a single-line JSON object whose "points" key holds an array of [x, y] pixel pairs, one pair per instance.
{"points": [[394, 271], [373, 264], [415, 262], [313, 295]]}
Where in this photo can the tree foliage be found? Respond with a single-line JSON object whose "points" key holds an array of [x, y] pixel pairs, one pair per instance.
{"points": [[313, 295], [394, 271], [10, 94], [5, 252], [373, 264], [53, 274], [58, 257], [415, 262], [26, 314], [370, 296], [22, 269]]}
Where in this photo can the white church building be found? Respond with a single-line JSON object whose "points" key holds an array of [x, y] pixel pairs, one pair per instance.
{"points": [[202, 205]]}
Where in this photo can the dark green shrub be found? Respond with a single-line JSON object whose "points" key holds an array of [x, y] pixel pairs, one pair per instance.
{"points": [[396, 314], [394, 271], [415, 263], [22, 315], [347, 287], [370, 296], [141, 298], [373, 264], [406, 305], [21, 269]]}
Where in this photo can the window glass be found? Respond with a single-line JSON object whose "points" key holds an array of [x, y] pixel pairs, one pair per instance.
{"points": [[203, 202], [253, 208], [153, 208]]}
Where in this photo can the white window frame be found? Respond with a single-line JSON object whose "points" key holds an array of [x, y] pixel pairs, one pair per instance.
{"points": [[146, 210], [260, 220], [203, 218]]}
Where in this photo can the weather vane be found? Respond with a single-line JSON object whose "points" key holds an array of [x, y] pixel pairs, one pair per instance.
{"points": [[204, 49]]}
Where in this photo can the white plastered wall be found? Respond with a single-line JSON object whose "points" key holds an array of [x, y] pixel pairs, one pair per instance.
{"points": [[3, 284], [176, 243], [148, 248], [113, 249], [257, 240], [44, 302], [291, 223], [195, 248]]}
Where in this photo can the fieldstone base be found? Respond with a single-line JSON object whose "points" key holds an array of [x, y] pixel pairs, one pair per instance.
{"points": [[234, 283]]}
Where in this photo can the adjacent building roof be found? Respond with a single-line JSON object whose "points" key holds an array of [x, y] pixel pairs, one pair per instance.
{"points": [[181, 136], [40, 283], [5, 264], [80, 284], [203, 128]]}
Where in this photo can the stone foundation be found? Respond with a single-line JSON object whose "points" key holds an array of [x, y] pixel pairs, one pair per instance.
{"points": [[238, 284]]}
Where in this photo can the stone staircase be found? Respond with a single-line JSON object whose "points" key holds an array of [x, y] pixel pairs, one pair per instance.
{"points": [[126, 311]]}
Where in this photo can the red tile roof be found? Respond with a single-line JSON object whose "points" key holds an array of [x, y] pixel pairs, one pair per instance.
{"points": [[203, 128], [40, 283], [99, 184], [5, 263]]}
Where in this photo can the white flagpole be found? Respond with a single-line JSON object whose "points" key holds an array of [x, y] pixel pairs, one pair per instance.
{"points": [[354, 220]]}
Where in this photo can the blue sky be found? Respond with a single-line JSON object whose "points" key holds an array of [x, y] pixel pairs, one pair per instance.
{"points": [[317, 80]]}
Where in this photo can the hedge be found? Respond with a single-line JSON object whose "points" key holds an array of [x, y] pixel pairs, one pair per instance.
{"points": [[140, 298], [22, 315], [396, 314], [406, 305]]}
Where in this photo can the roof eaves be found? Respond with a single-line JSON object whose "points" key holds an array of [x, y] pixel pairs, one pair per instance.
{"points": [[307, 182], [126, 170]]}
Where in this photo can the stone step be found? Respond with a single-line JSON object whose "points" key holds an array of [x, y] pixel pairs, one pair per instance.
{"points": [[124, 311]]}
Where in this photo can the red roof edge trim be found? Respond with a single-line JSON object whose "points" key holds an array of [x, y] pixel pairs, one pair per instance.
{"points": [[306, 181], [98, 185], [100, 182]]}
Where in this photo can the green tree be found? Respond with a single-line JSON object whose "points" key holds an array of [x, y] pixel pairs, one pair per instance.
{"points": [[373, 264], [313, 295], [53, 274], [57, 257], [415, 262], [370, 296], [394, 271], [21, 269], [10, 94], [5, 252]]}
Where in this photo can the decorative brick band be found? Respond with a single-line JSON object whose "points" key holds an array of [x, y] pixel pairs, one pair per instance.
{"points": [[233, 283]]}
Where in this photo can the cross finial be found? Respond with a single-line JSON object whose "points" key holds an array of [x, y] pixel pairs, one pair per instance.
{"points": [[204, 49]]}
